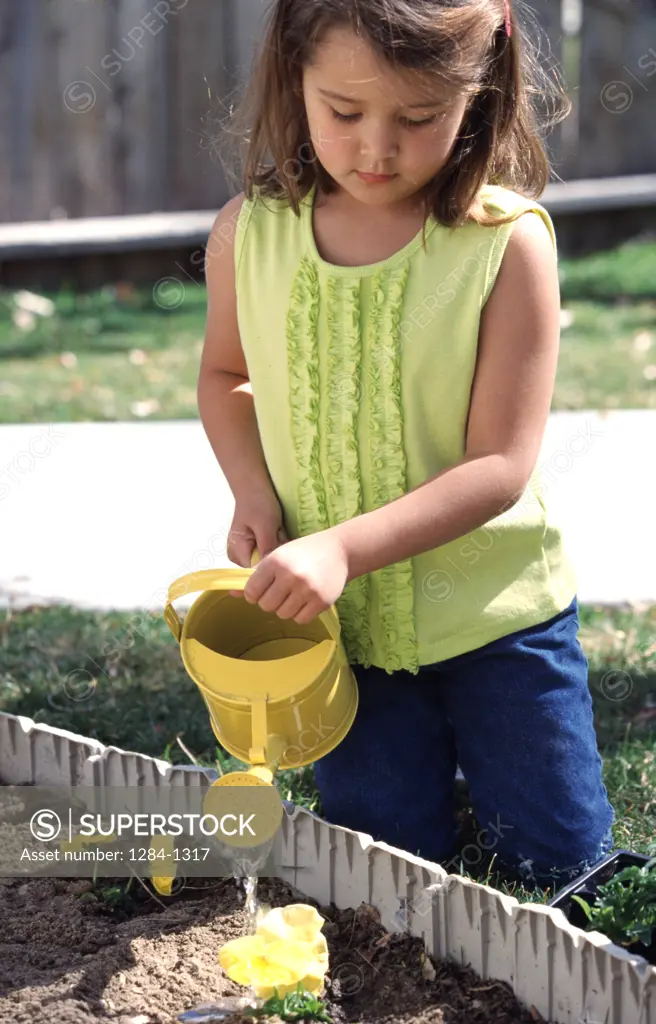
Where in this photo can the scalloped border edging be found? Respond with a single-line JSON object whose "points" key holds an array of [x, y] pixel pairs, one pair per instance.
{"points": [[570, 976]]}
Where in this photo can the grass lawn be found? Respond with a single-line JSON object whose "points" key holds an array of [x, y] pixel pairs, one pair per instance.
{"points": [[119, 678], [118, 355], [109, 355]]}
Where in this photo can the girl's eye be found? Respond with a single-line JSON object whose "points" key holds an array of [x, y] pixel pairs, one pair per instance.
{"points": [[351, 118], [418, 124], [344, 117]]}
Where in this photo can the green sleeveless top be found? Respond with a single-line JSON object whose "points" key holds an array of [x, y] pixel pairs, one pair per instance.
{"points": [[361, 380]]}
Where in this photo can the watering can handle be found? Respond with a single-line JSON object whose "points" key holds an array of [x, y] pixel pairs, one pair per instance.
{"points": [[224, 579]]}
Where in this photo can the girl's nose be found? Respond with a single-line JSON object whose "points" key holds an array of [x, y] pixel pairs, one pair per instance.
{"points": [[379, 142]]}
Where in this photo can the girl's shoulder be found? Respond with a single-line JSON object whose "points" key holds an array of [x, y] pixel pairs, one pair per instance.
{"points": [[498, 199], [266, 215], [501, 208], [265, 223], [261, 198]]}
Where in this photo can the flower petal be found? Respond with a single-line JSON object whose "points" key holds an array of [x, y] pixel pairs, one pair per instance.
{"points": [[163, 884], [313, 981], [320, 949], [297, 921], [240, 951], [289, 951], [299, 958], [264, 975]]}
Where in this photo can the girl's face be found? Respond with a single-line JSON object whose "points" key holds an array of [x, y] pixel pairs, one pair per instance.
{"points": [[365, 119]]}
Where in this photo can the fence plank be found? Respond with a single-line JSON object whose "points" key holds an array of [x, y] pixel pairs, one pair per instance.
{"points": [[43, 192], [200, 87], [79, 105], [248, 27], [548, 15], [24, 27], [7, 105], [618, 94], [137, 68], [640, 67]]}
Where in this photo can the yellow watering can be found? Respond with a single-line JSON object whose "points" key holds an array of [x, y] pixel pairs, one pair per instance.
{"points": [[279, 695]]}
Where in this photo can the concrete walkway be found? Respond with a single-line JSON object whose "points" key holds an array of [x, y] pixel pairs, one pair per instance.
{"points": [[107, 515]]}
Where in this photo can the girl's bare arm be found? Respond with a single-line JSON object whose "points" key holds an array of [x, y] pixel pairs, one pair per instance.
{"points": [[225, 399]]}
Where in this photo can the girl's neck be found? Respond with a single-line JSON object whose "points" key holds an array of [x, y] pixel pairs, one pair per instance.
{"points": [[348, 233], [343, 202]]}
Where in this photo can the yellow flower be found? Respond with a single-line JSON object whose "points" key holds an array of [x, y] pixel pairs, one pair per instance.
{"points": [[162, 883], [287, 948]]}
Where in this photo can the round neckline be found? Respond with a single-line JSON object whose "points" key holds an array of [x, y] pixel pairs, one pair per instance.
{"points": [[362, 270]]}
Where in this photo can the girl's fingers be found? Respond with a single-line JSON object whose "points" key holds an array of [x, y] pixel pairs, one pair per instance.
{"points": [[307, 614], [291, 607], [276, 594]]}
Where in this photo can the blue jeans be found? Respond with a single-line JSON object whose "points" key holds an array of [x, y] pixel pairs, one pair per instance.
{"points": [[516, 715]]}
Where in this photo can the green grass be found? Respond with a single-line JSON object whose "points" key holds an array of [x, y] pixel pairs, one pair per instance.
{"points": [[117, 354], [625, 272], [604, 362], [98, 355], [115, 677], [118, 678]]}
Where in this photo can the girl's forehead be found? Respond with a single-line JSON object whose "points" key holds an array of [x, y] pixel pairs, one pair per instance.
{"points": [[393, 87], [346, 63]]}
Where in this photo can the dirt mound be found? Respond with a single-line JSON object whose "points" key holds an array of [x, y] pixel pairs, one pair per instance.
{"points": [[72, 954]]}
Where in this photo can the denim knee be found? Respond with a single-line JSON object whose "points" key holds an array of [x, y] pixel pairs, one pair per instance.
{"points": [[392, 775], [530, 752]]}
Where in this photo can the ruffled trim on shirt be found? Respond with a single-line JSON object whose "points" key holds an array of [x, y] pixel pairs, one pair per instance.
{"points": [[342, 458], [304, 395], [322, 503], [388, 463]]}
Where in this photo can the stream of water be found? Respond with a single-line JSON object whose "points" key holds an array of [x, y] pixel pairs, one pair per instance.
{"points": [[245, 873], [251, 904], [216, 1013]]}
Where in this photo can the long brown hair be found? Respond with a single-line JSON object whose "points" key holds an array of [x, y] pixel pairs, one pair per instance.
{"points": [[462, 43]]}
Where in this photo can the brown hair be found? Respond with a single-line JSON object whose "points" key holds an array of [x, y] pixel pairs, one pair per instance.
{"points": [[462, 43]]}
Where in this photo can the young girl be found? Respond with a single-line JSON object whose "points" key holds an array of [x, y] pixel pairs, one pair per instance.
{"points": [[382, 341]]}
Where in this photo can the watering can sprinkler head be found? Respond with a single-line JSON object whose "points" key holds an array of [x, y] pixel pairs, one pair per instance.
{"points": [[260, 797], [258, 775]]}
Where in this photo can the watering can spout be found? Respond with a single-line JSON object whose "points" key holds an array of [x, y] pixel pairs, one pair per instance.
{"points": [[264, 763]]}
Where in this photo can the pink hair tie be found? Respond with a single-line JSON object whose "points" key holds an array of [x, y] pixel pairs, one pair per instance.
{"points": [[508, 24]]}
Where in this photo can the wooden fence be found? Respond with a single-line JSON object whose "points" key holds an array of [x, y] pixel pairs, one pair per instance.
{"points": [[104, 103], [609, 64]]}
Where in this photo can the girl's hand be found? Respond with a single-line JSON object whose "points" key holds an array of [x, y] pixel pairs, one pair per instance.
{"points": [[257, 523], [300, 579]]}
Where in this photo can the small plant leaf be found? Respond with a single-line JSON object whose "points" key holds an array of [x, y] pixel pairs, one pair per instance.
{"points": [[625, 906], [644, 935], [294, 1006], [584, 906]]}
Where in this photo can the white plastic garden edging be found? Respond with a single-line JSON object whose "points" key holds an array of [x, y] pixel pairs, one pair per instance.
{"points": [[570, 976]]}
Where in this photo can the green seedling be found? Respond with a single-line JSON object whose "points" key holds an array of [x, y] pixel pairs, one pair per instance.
{"points": [[115, 897], [295, 1006], [112, 896], [625, 909]]}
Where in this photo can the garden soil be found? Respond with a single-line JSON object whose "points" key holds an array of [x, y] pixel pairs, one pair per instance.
{"points": [[69, 955]]}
